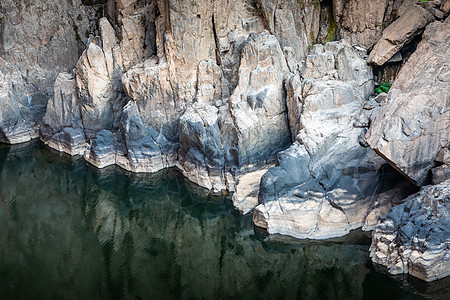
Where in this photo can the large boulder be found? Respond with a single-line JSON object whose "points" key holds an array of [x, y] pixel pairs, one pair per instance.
{"points": [[413, 124], [326, 182], [414, 237], [400, 32]]}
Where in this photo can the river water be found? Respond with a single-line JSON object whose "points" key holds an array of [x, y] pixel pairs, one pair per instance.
{"points": [[70, 231]]}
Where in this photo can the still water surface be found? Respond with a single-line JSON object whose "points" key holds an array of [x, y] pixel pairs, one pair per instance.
{"points": [[70, 231]]}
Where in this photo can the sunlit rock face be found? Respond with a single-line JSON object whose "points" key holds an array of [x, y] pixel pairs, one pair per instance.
{"points": [[76, 231], [326, 182], [224, 90], [412, 129], [217, 143]]}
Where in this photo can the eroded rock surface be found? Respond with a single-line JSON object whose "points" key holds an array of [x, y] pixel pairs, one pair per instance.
{"points": [[413, 124], [400, 32], [362, 20], [38, 40], [414, 237], [246, 133], [325, 182]]}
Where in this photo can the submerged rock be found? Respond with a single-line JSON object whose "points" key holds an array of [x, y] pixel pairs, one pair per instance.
{"points": [[414, 237]]}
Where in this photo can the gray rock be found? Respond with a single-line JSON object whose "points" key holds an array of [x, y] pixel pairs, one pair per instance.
{"points": [[441, 173], [38, 41], [18, 106], [445, 7], [69, 140], [414, 237], [294, 23], [104, 149], [325, 182], [413, 125], [257, 105], [97, 92], [245, 196], [362, 21], [201, 153], [146, 149], [399, 33], [63, 113], [216, 144]]}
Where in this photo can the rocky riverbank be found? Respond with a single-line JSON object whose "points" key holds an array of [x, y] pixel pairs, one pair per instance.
{"points": [[224, 90]]}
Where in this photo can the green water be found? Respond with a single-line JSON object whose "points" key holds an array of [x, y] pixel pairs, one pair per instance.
{"points": [[73, 232]]}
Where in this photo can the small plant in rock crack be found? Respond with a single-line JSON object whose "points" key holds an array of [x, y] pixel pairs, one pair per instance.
{"points": [[384, 87]]}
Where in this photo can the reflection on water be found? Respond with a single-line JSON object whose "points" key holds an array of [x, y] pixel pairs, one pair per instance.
{"points": [[69, 231]]}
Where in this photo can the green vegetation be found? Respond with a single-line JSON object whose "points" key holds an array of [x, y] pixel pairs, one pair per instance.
{"points": [[331, 27], [384, 87]]}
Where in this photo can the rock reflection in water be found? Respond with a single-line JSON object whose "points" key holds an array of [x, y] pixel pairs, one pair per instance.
{"points": [[68, 231]]}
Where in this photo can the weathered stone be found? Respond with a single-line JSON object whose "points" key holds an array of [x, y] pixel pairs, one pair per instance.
{"points": [[338, 9], [440, 174], [445, 7], [381, 97], [217, 144], [413, 125], [296, 25], [38, 40], [201, 154], [69, 140], [325, 181], [362, 20], [384, 202], [104, 149], [413, 238], [257, 105], [96, 91], [399, 33], [146, 149], [63, 112], [245, 196], [17, 110]]}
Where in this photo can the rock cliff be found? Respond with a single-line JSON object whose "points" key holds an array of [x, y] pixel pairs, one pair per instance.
{"points": [[224, 90]]}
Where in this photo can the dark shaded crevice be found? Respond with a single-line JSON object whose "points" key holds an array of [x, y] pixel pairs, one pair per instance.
{"points": [[216, 41], [167, 12], [389, 71], [3, 138], [1, 30]]}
